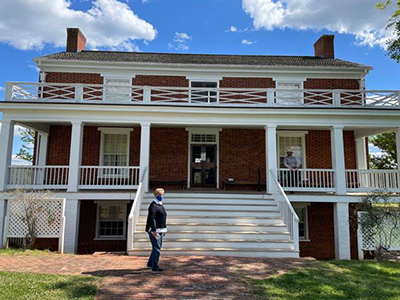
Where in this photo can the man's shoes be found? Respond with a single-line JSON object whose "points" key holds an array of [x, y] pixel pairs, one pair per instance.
{"points": [[159, 270]]}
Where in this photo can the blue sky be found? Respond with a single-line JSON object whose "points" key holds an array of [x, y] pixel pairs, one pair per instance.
{"points": [[270, 27]]}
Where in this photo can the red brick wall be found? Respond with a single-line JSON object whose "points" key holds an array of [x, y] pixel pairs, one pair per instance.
{"points": [[174, 81], [59, 145], [326, 84], [242, 152], [321, 232], [169, 154], [237, 82], [318, 149], [87, 231], [65, 77]]}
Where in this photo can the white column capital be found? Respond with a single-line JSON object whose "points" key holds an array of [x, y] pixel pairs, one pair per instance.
{"points": [[42, 133], [145, 124], [77, 122], [337, 127], [271, 126]]}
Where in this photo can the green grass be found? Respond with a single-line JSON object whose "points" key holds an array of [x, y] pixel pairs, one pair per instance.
{"points": [[21, 286], [334, 280], [13, 251]]}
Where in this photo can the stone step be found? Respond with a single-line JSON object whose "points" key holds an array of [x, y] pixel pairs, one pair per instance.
{"points": [[261, 252], [225, 195], [212, 201], [222, 235], [208, 207], [219, 213], [184, 220], [221, 227]]}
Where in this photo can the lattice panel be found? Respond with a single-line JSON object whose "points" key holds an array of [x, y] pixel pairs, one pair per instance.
{"points": [[49, 219], [370, 237]]}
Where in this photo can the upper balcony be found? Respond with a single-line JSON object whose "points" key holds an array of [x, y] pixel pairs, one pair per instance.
{"points": [[223, 97]]}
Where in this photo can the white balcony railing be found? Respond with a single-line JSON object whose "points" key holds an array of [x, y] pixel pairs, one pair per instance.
{"points": [[369, 180], [96, 93], [54, 177], [100, 177], [318, 180]]}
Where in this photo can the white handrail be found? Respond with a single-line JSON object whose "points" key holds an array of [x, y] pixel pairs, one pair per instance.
{"points": [[135, 210], [287, 212]]}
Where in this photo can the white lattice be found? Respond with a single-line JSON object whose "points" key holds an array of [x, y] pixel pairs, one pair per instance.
{"points": [[369, 237], [49, 219]]}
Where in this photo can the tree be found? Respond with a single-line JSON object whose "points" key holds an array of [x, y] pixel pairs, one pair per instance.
{"points": [[28, 139], [380, 222], [387, 142], [393, 44], [32, 210]]}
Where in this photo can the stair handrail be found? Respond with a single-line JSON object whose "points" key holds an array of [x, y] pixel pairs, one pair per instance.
{"points": [[287, 212], [135, 210]]}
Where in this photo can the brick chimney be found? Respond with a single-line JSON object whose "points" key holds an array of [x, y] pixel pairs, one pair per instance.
{"points": [[325, 46], [76, 41]]}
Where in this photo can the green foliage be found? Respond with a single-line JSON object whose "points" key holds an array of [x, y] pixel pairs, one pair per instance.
{"points": [[28, 139], [393, 44], [382, 216], [333, 280], [46, 286], [387, 142]]}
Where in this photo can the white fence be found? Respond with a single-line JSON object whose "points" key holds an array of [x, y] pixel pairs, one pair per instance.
{"points": [[50, 222], [97, 93], [98, 177], [319, 180], [38, 177], [287, 212], [367, 239], [369, 180]]}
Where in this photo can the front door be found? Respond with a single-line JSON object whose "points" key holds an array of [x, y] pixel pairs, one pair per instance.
{"points": [[203, 166]]}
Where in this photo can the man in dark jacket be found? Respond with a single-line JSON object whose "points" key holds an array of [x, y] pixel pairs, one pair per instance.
{"points": [[156, 228]]}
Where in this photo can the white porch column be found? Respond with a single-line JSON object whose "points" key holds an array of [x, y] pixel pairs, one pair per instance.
{"points": [[145, 154], [71, 225], [271, 156], [398, 146], [6, 138], [2, 225], [338, 163], [361, 154], [41, 158], [342, 230], [75, 156]]}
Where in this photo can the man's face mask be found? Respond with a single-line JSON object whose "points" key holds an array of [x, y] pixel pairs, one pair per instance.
{"points": [[160, 198]]}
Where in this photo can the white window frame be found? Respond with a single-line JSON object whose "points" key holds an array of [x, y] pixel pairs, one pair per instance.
{"points": [[204, 79], [291, 80], [126, 131], [113, 76], [124, 204], [302, 135], [306, 221], [191, 131]]}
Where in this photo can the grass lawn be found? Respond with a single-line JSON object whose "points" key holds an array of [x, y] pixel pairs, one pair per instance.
{"points": [[13, 251], [334, 280], [18, 286]]}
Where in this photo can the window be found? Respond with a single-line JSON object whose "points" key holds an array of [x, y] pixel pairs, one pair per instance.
{"points": [[115, 150], [287, 96], [203, 92], [294, 142], [111, 220], [115, 90], [302, 213]]}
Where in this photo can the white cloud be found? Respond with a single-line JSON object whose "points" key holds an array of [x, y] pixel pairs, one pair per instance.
{"points": [[1, 89], [180, 41], [28, 24], [17, 161], [357, 17], [248, 42], [235, 29]]}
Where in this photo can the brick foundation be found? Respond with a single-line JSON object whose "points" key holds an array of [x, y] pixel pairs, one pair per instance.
{"points": [[87, 231], [321, 232]]}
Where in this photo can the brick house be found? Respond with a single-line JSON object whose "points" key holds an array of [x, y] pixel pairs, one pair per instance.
{"points": [[213, 130]]}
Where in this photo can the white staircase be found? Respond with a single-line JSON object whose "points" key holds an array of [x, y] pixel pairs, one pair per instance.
{"points": [[248, 225]]}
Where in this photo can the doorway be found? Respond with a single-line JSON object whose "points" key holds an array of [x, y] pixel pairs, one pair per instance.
{"points": [[203, 166]]}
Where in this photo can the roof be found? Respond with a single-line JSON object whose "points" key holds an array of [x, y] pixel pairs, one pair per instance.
{"points": [[202, 59]]}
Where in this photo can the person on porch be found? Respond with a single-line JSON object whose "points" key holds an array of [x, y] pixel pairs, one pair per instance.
{"points": [[292, 164], [156, 227]]}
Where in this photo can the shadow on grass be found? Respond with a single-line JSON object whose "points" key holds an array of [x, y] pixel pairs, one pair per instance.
{"points": [[334, 280]]}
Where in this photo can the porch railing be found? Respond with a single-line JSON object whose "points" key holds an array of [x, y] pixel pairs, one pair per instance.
{"points": [[319, 180], [102, 177], [135, 210], [287, 212], [54, 177], [369, 180], [123, 94]]}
